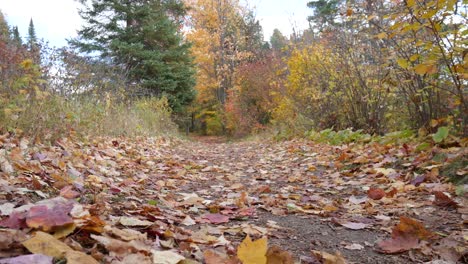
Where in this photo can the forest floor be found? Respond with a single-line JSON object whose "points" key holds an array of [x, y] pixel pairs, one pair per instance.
{"points": [[195, 201]]}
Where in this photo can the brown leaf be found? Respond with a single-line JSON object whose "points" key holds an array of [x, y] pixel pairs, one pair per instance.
{"points": [[398, 244], [328, 258], [213, 257], [275, 255], [375, 193], [405, 236], [391, 193], [69, 193], [441, 199]]}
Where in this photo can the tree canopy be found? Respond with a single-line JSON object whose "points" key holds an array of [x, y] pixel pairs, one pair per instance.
{"points": [[144, 38]]}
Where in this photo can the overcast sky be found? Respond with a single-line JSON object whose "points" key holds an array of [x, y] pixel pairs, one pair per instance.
{"points": [[57, 20]]}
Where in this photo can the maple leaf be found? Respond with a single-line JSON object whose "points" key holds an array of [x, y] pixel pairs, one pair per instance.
{"points": [[405, 236], [253, 252]]}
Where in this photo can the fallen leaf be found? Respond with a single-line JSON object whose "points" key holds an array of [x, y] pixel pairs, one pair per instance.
{"points": [[16, 220], [43, 243], [132, 221], [69, 193], [188, 221], [64, 231], [28, 259], [9, 237], [391, 193], [211, 257], [354, 226], [405, 236], [355, 246], [375, 193], [253, 252], [328, 258], [275, 255], [166, 257], [216, 218], [441, 199], [353, 199], [6, 208]]}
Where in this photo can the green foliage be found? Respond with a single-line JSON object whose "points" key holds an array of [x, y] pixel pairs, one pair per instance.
{"points": [[441, 135], [278, 41], [143, 37], [325, 12]]}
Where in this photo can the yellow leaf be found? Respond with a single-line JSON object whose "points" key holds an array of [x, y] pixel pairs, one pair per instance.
{"points": [[382, 35], [422, 69], [64, 231], [402, 63], [45, 244], [414, 57], [253, 252], [411, 3]]}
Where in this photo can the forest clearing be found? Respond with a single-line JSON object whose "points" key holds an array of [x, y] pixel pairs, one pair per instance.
{"points": [[183, 132]]}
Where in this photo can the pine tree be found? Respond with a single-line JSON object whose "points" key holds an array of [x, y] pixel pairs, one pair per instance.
{"points": [[16, 36], [278, 41], [32, 37], [325, 12], [143, 37]]}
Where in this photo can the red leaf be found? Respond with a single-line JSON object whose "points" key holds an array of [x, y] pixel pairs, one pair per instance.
{"points": [[398, 244], [375, 193], [405, 236], [45, 218], [15, 221], [216, 218], [68, 192], [441, 199]]}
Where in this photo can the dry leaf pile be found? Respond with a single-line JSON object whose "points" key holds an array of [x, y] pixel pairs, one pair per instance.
{"points": [[159, 200]]}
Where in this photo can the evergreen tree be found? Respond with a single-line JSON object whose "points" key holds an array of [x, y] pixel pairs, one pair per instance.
{"points": [[16, 36], [143, 37], [32, 37], [278, 41], [325, 12]]}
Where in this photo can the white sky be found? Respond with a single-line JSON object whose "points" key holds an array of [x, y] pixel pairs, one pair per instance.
{"points": [[58, 20]]}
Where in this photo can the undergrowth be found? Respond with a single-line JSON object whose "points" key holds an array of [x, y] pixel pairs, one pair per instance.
{"points": [[54, 116]]}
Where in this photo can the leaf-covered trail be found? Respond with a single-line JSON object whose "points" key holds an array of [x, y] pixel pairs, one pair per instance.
{"points": [[310, 196], [148, 200]]}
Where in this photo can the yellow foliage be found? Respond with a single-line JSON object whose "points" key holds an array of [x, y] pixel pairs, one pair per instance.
{"points": [[253, 252]]}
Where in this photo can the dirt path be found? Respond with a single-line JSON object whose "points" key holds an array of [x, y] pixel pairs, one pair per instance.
{"points": [[132, 199], [291, 183]]}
